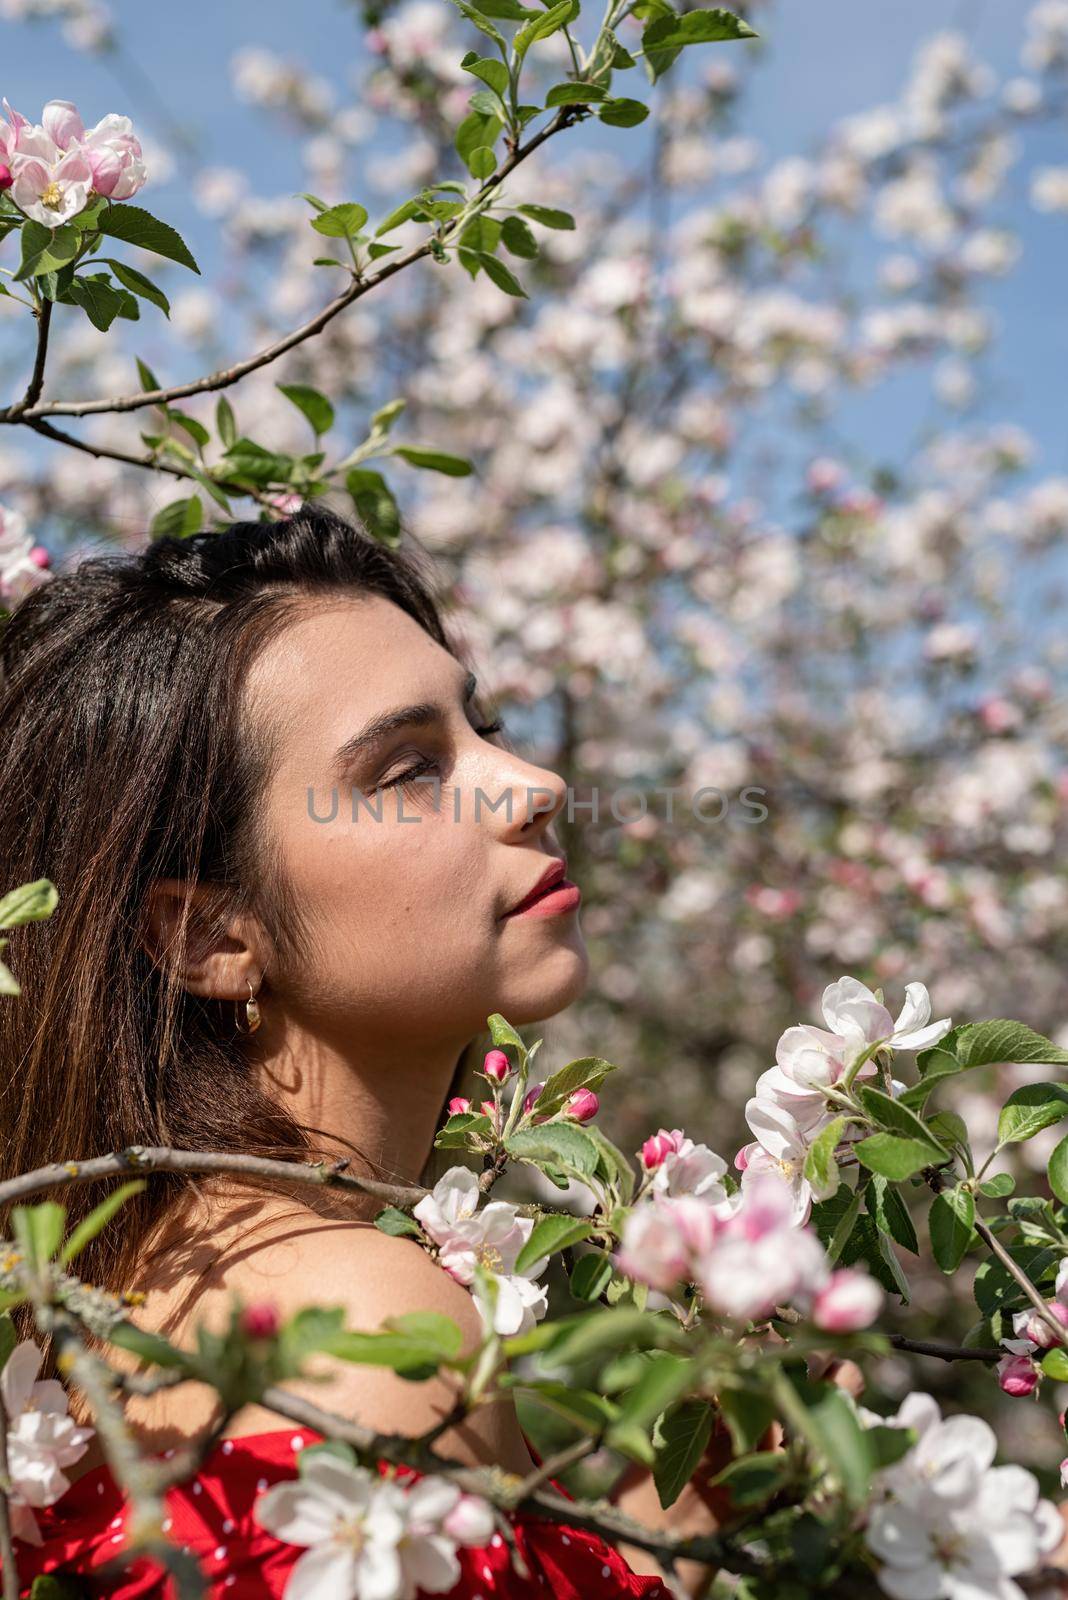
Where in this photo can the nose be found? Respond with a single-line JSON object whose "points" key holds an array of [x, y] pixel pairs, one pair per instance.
{"points": [[533, 797]]}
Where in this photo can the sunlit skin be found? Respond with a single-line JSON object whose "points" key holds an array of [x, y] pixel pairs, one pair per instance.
{"points": [[409, 948]]}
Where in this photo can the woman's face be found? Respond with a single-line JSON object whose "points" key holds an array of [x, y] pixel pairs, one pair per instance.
{"points": [[407, 935]]}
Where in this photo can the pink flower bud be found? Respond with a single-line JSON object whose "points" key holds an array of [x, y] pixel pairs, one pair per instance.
{"points": [[851, 1300], [741, 1160], [40, 557], [530, 1100], [259, 1321], [581, 1106], [6, 180], [458, 1104], [658, 1147], [1064, 1473], [497, 1067], [471, 1521], [1017, 1375]]}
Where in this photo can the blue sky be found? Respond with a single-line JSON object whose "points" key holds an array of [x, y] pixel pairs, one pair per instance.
{"points": [[826, 59]]}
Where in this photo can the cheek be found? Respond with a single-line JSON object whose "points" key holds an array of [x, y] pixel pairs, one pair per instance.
{"points": [[396, 883]]}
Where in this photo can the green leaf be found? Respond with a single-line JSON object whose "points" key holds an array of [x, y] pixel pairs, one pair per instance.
{"points": [[481, 21], [138, 284], [398, 1223], [431, 1328], [574, 94], [591, 1276], [38, 1230], [1057, 1171], [995, 1288], [190, 425], [44, 251], [888, 1113], [680, 1438], [435, 461], [665, 1379], [518, 239], [50, 1586], [147, 1346], [821, 1169], [461, 1128], [748, 1414], [574, 1340], [540, 27], [504, 1036], [410, 1356], [1055, 1365], [890, 1213], [1030, 1109], [225, 425], [563, 1144], [481, 163], [491, 71], [981, 1044], [951, 1223], [665, 36], [315, 406], [842, 1442], [98, 298], [550, 1234], [374, 504], [997, 1187], [340, 222], [99, 1218], [897, 1158], [612, 1165], [622, 113], [31, 902], [140, 227], [403, 213], [178, 520], [548, 216], [314, 200], [844, 1228], [477, 131], [588, 1072]]}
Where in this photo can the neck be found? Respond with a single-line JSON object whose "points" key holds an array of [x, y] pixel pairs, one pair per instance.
{"points": [[380, 1106]]}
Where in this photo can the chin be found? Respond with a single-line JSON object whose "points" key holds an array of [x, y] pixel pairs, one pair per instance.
{"points": [[545, 987]]}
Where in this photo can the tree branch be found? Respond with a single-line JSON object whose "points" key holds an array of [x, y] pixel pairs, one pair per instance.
{"points": [[160, 1158], [357, 289]]}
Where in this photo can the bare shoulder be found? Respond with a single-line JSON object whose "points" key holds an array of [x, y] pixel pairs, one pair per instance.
{"points": [[295, 1259]]}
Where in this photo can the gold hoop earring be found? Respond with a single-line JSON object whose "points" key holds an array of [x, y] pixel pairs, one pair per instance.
{"points": [[252, 1012]]}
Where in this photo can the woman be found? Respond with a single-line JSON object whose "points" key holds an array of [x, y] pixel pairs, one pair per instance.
{"points": [[173, 726]]}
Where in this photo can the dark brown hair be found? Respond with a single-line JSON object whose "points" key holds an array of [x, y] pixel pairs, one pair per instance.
{"points": [[124, 757]]}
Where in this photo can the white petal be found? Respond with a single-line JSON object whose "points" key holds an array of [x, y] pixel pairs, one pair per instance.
{"points": [[916, 1012], [431, 1563], [293, 1515], [381, 1576], [19, 1375], [923, 1038], [329, 1572]]}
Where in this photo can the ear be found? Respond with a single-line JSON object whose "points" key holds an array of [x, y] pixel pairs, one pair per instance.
{"points": [[222, 956]]}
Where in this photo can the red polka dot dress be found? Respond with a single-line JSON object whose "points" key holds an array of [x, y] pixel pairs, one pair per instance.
{"points": [[212, 1516]]}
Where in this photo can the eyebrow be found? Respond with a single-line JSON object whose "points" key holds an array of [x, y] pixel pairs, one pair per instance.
{"points": [[387, 722]]}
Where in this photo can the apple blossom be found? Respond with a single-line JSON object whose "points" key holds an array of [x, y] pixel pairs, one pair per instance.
{"points": [[492, 1238], [42, 1438], [759, 1257], [652, 1249], [852, 1012], [689, 1168], [367, 1537], [1029, 1325], [948, 1522], [851, 1300], [779, 1152]]}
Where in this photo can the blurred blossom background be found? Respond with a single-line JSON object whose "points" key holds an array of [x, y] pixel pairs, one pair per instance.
{"points": [[771, 487]]}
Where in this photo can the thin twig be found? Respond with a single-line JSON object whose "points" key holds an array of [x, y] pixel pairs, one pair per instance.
{"points": [[36, 383], [941, 1352]]}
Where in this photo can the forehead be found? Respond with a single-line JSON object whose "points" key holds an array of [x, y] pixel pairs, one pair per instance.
{"points": [[337, 663]]}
